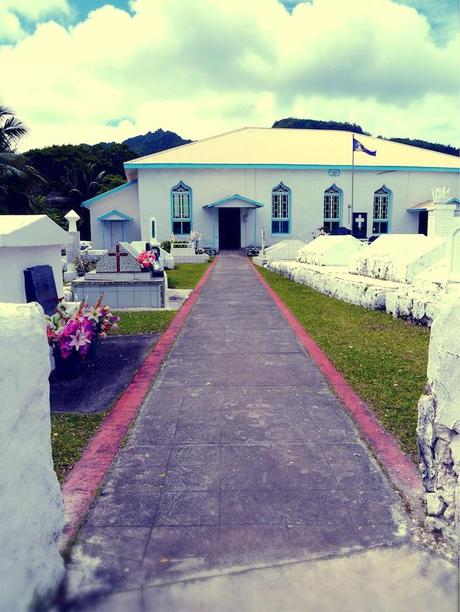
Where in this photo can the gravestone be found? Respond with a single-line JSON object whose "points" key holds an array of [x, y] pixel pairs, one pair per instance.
{"points": [[40, 287], [123, 281], [119, 258]]}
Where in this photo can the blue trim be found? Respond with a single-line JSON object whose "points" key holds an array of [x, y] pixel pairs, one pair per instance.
{"points": [[235, 196], [334, 219], [87, 203], [389, 211], [280, 219], [296, 167], [122, 216], [184, 219]]}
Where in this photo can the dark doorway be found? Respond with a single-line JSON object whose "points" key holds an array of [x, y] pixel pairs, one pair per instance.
{"points": [[423, 222], [229, 228]]}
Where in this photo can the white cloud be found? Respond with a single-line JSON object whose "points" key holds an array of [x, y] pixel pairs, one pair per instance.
{"points": [[205, 67]]}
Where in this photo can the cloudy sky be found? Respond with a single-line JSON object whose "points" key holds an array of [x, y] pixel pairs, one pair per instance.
{"points": [[88, 70]]}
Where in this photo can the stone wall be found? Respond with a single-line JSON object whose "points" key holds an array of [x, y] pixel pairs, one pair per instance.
{"points": [[438, 430], [415, 303], [31, 507]]}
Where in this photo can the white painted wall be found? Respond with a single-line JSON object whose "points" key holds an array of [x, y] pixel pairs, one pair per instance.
{"points": [[307, 189], [13, 262], [126, 201], [31, 507]]}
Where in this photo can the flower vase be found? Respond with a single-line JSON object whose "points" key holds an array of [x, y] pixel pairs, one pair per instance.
{"points": [[67, 368]]}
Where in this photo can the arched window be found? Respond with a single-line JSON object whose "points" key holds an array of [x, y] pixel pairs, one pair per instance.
{"points": [[381, 210], [281, 204], [181, 209], [332, 208]]}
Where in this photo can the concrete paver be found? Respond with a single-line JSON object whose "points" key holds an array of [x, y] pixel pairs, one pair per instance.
{"points": [[244, 481]]}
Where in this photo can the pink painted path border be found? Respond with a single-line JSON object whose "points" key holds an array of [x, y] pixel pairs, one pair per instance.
{"points": [[399, 467], [82, 482]]}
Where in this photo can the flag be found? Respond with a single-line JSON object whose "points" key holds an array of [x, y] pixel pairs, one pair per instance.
{"points": [[358, 146]]}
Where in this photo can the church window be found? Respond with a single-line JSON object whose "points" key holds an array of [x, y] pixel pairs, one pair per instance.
{"points": [[332, 208], [381, 210], [281, 196], [181, 209]]}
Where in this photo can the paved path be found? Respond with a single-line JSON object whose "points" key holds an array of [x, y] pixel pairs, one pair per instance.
{"points": [[244, 485]]}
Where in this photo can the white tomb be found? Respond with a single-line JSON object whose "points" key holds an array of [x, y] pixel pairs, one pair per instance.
{"points": [[330, 251], [26, 241], [399, 257], [184, 252], [285, 250]]}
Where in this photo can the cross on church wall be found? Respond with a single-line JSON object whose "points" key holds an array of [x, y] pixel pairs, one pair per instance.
{"points": [[359, 221]]}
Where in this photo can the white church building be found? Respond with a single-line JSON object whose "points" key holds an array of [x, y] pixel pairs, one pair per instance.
{"points": [[288, 182]]}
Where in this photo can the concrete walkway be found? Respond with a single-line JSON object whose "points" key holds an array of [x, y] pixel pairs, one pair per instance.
{"points": [[244, 485]]}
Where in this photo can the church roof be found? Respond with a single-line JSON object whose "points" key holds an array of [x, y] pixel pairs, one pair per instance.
{"points": [[30, 230], [273, 148]]}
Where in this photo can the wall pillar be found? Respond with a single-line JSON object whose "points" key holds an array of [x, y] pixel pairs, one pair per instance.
{"points": [[31, 507]]}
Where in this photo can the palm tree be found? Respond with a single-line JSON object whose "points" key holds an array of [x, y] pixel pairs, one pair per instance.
{"points": [[17, 176], [11, 130]]}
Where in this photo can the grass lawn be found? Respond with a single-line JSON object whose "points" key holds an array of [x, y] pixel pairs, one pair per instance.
{"points": [[384, 359], [143, 321], [186, 276], [70, 433]]}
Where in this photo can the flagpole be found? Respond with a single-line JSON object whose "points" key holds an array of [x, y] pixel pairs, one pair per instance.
{"points": [[350, 220]]}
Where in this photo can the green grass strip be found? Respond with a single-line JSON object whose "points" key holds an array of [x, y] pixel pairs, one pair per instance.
{"points": [[143, 321], [186, 276], [70, 434], [384, 359]]}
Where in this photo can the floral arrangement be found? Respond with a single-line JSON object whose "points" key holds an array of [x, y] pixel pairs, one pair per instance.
{"points": [[195, 236], [147, 259], [74, 328]]}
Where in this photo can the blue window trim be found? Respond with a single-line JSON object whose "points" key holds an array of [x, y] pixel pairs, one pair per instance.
{"points": [[289, 217], [389, 210], [171, 207], [88, 203], [340, 193]]}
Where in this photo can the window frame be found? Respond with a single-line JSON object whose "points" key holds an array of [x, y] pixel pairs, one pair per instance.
{"points": [[382, 197], [332, 222], [181, 189], [281, 221]]}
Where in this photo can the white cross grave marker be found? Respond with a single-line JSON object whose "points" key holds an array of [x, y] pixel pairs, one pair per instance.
{"points": [[262, 250]]}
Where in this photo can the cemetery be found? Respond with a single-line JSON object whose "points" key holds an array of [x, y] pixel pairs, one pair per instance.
{"points": [[113, 315]]}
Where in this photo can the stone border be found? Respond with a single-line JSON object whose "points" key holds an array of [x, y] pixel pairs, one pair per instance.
{"points": [[82, 482], [398, 466]]}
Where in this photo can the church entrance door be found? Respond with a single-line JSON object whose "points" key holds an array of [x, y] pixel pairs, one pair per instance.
{"points": [[229, 228]]}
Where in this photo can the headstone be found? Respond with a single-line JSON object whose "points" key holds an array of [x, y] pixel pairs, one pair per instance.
{"points": [[73, 249], [40, 287], [262, 248], [119, 258]]}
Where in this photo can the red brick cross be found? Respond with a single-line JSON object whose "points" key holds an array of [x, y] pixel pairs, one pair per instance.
{"points": [[117, 254]]}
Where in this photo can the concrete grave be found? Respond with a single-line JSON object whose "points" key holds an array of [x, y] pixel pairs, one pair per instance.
{"points": [[31, 507], [121, 278], [27, 241], [285, 250], [184, 252], [330, 251], [399, 257]]}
